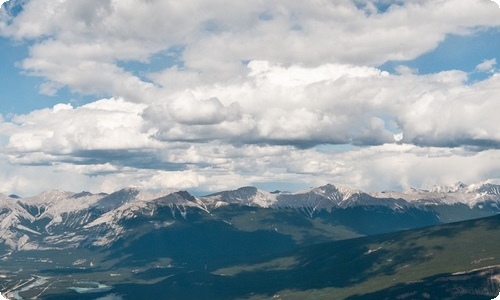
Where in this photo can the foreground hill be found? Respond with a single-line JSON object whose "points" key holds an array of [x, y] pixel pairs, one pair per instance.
{"points": [[452, 261]]}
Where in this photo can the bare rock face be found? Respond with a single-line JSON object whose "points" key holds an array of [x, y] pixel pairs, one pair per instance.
{"points": [[61, 220]]}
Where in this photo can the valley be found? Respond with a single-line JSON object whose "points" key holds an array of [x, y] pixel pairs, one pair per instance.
{"points": [[249, 244]]}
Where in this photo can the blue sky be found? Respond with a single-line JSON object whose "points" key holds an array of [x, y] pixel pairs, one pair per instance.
{"points": [[20, 92], [211, 95], [456, 52]]}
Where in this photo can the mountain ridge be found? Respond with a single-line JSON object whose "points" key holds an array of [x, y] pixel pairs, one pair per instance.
{"points": [[57, 218], [451, 261], [340, 193]]}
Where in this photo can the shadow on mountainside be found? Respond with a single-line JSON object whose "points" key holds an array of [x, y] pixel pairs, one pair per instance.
{"points": [[451, 230], [203, 245], [218, 262], [339, 264], [473, 285]]}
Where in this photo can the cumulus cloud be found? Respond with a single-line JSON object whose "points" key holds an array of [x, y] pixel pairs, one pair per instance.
{"points": [[186, 109], [407, 166], [337, 104], [214, 167], [457, 116], [487, 65], [275, 104], [44, 136], [293, 95], [264, 128], [80, 43], [248, 93]]}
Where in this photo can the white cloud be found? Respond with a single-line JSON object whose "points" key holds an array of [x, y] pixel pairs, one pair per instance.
{"points": [[106, 124], [249, 134], [245, 94], [214, 167], [79, 44], [64, 67], [186, 109], [458, 115], [337, 104], [487, 65], [405, 70], [277, 104], [407, 166]]}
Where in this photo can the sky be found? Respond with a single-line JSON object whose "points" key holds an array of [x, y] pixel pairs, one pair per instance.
{"points": [[209, 95]]}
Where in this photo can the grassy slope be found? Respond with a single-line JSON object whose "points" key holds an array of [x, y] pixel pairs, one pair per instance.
{"points": [[355, 268], [359, 266], [302, 228]]}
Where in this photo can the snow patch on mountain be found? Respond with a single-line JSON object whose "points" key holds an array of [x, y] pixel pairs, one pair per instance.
{"points": [[335, 193], [471, 195], [111, 222], [249, 196], [53, 204], [59, 219]]}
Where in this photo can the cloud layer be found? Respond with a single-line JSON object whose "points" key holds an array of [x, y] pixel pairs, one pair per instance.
{"points": [[218, 94]]}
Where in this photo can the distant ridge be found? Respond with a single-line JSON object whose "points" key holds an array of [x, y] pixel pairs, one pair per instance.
{"points": [[329, 237], [61, 219]]}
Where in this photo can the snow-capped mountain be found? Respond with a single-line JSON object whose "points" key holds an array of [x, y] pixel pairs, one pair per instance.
{"points": [[113, 223], [325, 197], [58, 219], [249, 195], [459, 193], [329, 197]]}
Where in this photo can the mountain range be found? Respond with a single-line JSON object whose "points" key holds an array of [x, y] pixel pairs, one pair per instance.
{"points": [[131, 239], [58, 219]]}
